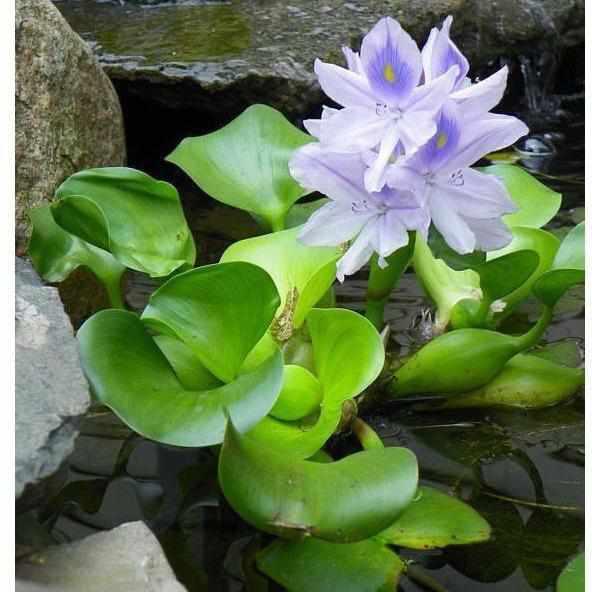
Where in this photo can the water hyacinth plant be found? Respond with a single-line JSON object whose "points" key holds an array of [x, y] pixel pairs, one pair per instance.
{"points": [[253, 356]]}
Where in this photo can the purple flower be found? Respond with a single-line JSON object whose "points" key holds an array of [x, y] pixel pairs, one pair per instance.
{"points": [[465, 205], [375, 221], [384, 108]]}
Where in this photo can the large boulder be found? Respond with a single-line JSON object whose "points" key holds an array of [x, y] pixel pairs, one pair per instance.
{"points": [[51, 392], [126, 558], [219, 58], [68, 116]]}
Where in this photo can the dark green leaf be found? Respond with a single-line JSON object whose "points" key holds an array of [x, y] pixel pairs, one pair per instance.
{"points": [[434, 519], [138, 219], [245, 164], [220, 311], [56, 254], [441, 250], [313, 565], [345, 501], [128, 372]]}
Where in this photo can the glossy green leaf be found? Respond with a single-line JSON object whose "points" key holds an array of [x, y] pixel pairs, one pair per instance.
{"points": [[526, 382], [245, 163], [56, 254], [138, 219], [537, 203], [313, 565], [220, 311], [434, 519], [300, 272], [345, 501], [566, 352], [505, 274], [440, 249], [301, 394], [567, 269], [128, 372], [532, 239], [347, 356], [572, 578]]}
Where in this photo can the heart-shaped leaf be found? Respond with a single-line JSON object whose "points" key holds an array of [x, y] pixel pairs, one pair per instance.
{"points": [[313, 565], [245, 164], [572, 578], [434, 519], [301, 394], [56, 254], [347, 356], [531, 239], [302, 274], [567, 269], [220, 311], [138, 219], [128, 372], [537, 203], [345, 501]]}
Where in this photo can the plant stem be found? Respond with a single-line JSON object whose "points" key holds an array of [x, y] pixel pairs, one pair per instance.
{"points": [[417, 574], [382, 281], [532, 337], [367, 437], [113, 287]]}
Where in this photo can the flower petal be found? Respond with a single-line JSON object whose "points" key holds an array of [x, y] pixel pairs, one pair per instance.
{"points": [[490, 235], [344, 86], [477, 99], [374, 178], [353, 129], [333, 224], [391, 61], [440, 53], [432, 95], [482, 136], [353, 60], [390, 233], [338, 176], [313, 126], [405, 178], [451, 225], [416, 129], [359, 252]]}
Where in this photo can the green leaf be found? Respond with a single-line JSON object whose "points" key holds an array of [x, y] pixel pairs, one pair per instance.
{"points": [[525, 382], [313, 565], [345, 501], [565, 353], [245, 164], [434, 519], [56, 254], [138, 219], [506, 273], [440, 250], [536, 202], [301, 394], [348, 356], [220, 311], [299, 271], [572, 578], [128, 372], [531, 239], [567, 269]]}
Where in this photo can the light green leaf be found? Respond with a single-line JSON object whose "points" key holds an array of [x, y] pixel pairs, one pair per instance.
{"points": [[299, 271], [245, 164], [56, 254], [567, 269], [537, 203], [138, 219], [128, 372], [434, 519], [348, 356], [572, 578], [220, 311], [345, 501], [313, 565], [301, 394]]}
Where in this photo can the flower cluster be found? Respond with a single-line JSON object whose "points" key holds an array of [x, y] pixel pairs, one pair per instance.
{"points": [[396, 157]]}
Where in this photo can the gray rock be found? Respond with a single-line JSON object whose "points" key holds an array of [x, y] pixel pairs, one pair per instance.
{"points": [[126, 558], [225, 56], [67, 113], [51, 392]]}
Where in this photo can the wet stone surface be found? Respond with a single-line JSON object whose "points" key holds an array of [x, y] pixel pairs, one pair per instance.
{"points": [[223, 56]]}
